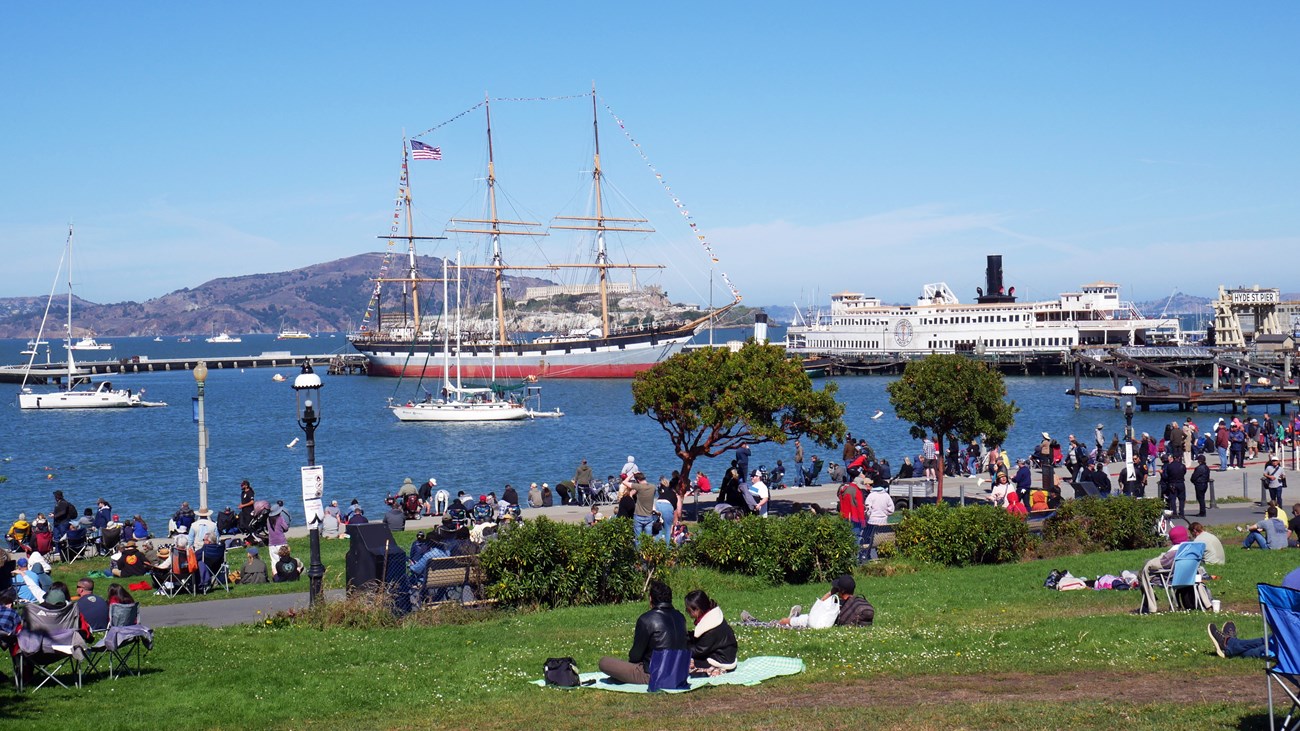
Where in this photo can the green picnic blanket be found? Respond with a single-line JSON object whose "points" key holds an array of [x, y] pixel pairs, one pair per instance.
{"points": [[748, 672]]}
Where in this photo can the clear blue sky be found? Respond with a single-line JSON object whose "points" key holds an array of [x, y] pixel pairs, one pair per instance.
{"points": [[822, 147]]}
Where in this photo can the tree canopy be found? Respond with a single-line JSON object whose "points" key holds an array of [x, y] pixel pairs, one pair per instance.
{"points": [[953, 396], [712, 400]]}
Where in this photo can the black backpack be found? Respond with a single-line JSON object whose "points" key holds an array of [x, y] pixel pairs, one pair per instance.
{"points": [[561, 671]]}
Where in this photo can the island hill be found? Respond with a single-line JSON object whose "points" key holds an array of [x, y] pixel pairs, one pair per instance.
{"points": [[332, 297]]}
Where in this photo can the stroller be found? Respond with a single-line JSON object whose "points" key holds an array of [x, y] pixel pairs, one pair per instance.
{"points": [[258, 528]]}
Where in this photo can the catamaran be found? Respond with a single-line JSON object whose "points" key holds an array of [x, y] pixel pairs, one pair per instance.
{"points": [[400, 345], [103, 396]]}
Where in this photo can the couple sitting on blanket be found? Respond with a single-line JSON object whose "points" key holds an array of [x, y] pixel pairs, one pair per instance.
{"points": [[663, 655]]}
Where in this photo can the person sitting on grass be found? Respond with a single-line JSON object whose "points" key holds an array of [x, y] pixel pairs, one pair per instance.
{"points": [[662, 629], [287, 568], [1268, 533], [1213, 546], [712, 643], [254, 569], [855, 610]]}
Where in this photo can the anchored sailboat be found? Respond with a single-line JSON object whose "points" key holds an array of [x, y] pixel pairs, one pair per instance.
{"points": [[103, 396], [395, 345]]}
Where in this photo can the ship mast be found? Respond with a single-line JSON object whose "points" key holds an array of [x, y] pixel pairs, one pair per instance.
{"points": [[412, 278], [600, 224], [495, 230]]}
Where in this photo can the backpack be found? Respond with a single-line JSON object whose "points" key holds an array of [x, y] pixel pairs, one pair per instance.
{"points": [[561, 671]]}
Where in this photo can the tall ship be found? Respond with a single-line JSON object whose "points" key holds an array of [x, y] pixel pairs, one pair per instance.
{"points": [[995, 324], [408, 343]]}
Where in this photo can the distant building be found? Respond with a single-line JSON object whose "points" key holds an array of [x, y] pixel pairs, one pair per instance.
{"points": [[534, 293]]}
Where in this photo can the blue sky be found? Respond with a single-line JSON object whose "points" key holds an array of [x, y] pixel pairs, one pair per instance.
{"points": [[840, 146]]}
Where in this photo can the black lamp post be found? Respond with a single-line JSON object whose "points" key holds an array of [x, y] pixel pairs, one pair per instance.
{"points": [[307, 386], [1128, 390]]}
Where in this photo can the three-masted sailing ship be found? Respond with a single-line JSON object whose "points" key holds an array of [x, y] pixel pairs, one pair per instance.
{"points": [[411, 347]]}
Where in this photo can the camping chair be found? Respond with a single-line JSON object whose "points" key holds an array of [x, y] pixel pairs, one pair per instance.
{"points": [[1084, 488], [123, 642], [1185, 578], [1280, 608], [218, 573], [810, 475], [108, 539], [49, 640], [76, 546], [172, 582]]}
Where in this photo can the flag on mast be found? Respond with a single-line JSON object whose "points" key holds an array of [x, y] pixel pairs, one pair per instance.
{"points": [[421, 151]]}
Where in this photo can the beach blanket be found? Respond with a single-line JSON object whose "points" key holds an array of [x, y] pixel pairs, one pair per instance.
{"points": [[748, 672]]}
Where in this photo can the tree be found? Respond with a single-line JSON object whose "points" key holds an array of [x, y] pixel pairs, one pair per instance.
{"points": [[955, 397], [712, 400]]}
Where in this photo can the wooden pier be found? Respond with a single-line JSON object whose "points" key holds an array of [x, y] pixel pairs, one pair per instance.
{"points": [[44, 373]]}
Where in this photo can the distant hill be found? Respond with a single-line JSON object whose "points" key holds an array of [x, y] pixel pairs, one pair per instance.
{"points": [[322, 297]]}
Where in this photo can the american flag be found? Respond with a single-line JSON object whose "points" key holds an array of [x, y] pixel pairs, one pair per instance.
{"points": [[421, 151]]}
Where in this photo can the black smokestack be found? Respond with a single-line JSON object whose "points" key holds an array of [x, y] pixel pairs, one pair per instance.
{"points": [[993, 275]]}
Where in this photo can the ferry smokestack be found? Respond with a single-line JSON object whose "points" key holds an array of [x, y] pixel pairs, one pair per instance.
{"points": [[994, 290], [760, 328]]}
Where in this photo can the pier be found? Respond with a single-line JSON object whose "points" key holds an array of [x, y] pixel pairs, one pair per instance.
{"points": [[44, 373]]}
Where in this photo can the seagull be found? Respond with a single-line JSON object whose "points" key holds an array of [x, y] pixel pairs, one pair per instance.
{"points": [[879, 413], [292, 444]]}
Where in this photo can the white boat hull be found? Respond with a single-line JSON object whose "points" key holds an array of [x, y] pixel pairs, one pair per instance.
{"points": [[462, 412], [78, 400]]}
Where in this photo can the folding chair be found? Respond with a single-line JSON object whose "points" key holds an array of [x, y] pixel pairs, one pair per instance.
{"points": [[1280, 608], [218, 570], [49, 640], [124, 641], [1186, 577], [76, 546]]}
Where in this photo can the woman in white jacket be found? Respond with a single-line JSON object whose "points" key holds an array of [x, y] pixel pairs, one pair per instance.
{"points": [[878, 507]]}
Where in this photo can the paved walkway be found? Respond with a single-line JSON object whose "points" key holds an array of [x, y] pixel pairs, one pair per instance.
{"points": [[242, 610]]}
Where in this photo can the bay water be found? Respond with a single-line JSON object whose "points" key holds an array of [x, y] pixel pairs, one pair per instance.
{"points": [[145, 460]]}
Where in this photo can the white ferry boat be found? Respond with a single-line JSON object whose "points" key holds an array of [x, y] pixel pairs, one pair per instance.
{"points": [[223, 338], [996, 324]]}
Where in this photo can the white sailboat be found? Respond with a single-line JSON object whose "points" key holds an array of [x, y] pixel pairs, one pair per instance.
{"points": [[458, 402], [103, 396]]}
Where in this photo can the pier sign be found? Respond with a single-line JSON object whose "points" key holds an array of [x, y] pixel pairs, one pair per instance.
{"points": [[1255, 296], [313, 487]]}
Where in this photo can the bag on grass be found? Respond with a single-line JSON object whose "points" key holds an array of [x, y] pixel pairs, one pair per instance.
{"points": [[562, 671], [824, 612]]}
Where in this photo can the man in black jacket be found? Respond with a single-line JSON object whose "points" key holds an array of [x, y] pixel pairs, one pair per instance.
{"points": [[1201, 482], [661, 628], [64, 512], [1175, 474]]}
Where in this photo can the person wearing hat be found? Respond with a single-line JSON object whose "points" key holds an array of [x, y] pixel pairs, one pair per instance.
{"points": [[254, 569], [583, 478], [878, 507], [482, 512], [407, 488], [762, 494], [1099, 438], [27, 582], [276, 527], [426, 495], [246, 500], [1273, 479], [130, 561], [227, 522], [18, 532], [202, 526], [103, 514], [331, 525]]}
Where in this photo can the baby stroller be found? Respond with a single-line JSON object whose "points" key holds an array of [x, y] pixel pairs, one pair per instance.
{"points": [[410, 505], [257, 523]]}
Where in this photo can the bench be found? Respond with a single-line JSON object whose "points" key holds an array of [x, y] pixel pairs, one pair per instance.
{"points": [[451, 579]]}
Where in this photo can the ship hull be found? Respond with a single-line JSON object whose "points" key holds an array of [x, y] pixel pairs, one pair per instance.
{"points": [[599, 358]]}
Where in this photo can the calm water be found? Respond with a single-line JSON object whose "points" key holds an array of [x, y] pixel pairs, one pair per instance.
{"points": [[145, 460]]}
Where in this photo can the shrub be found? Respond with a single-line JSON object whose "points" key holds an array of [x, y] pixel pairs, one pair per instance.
{"points": [[541, 562], [1110, 524], [961, 536], [795, 549]]}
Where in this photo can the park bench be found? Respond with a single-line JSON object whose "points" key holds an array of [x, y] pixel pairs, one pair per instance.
{"points": [[451, 579]]}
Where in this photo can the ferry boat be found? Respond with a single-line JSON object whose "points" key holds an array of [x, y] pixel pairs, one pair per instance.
{"points": [[223, 338], [293, 335], [87, 343], [995, 324], [408, 345]]}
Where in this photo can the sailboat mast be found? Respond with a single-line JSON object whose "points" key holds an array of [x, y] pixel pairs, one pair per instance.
{"points": [[412, 269], [446, 334], [458, 326], [499, 303], [70, 361], [602, 259]]}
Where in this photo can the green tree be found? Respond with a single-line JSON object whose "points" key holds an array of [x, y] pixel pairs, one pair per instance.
{"points": [[953, 397], [712, 400]]}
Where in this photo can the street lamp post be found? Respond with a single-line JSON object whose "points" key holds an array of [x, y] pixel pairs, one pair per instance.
{"points": [[200, 378], [1128, 390], [307, 387]]}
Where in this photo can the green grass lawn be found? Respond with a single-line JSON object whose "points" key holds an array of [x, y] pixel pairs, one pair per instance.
{"points": [[981, 647]]}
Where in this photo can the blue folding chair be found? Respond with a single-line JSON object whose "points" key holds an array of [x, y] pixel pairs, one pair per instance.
{"points": [[1280, 607], [1186, 577]]}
